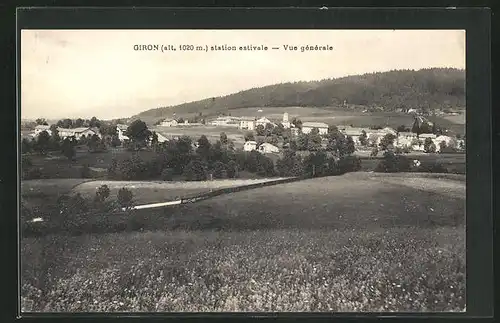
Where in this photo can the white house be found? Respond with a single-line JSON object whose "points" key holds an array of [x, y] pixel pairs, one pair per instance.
{"points": [[226, 121], [76, 132], [450, 142], [263, 122], [405, 139], [355, 133], [250, 145], [41, 128], [169, 123], [247, 123], [266, 148], [388, 130], [285, 122], [307, 127], [121, 129], [418, 147]]}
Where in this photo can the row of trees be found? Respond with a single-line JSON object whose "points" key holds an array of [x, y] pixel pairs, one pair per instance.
{"points": [[180, 158]]}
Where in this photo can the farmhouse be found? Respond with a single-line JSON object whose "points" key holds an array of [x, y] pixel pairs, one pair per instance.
{"points": [[76, 132], [266, 148], [121, 129], [449, 141], [41, 128], [419, 146], [355, 133], [226, 121], [250, 145], [389, 130], [247, 123], [406, 139], [169, 123], [307, 127], [375, 136], [263, 122]]}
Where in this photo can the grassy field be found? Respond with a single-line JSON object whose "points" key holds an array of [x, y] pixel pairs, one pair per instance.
{"points": [[57, 166], [358, 242], [154, 192], [38, 192]]}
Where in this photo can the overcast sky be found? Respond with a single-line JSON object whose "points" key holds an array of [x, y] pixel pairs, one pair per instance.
{"points": [[85, 73]]}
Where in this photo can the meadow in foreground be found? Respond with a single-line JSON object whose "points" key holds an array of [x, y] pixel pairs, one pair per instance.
{"points": [[347, 243], [280, 270]]}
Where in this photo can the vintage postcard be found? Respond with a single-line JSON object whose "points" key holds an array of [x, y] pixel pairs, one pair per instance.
{"points": [[243, 170]]}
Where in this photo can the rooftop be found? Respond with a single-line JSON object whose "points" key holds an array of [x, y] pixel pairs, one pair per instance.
{"points": [[315, 124], [81, 129]]}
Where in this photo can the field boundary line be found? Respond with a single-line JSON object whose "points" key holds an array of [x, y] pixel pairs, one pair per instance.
{"points": [[215, 192]]}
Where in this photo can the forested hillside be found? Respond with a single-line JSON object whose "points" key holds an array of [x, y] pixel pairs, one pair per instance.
{"points": [[431, 88]]}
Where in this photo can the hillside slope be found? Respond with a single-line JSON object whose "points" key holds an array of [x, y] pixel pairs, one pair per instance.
{"points": [[433, 88]]}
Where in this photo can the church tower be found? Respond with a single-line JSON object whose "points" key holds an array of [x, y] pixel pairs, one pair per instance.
{"points": [[285, 117]]}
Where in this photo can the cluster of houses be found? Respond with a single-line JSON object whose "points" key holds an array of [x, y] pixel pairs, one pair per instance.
{"points": [[66, 132], [247, 123], [402, 139], [175, 123], [81, 132], [372, 136]]}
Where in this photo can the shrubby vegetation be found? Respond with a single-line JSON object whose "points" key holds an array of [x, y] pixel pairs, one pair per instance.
{"points": [[75, 214], [392, 163]]}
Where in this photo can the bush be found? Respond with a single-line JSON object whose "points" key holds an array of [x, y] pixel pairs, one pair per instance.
{"points": [[393, 163], [349, 164], [315, 164], [232, 169], [290, 164], [115, 142], [102, 193], [196, 170], [167, 174], [112, 169], [219, 170], [125, 197], [72, 215], [432, 168]]}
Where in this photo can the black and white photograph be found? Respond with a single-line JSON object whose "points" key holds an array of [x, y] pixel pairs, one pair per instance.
{"points": [[255, 170]]}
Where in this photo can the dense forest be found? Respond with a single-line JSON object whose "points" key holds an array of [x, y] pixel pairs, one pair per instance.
{"points": [[434, 88]]}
